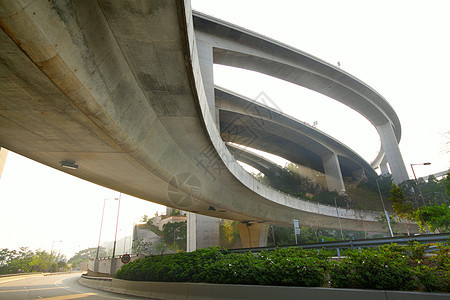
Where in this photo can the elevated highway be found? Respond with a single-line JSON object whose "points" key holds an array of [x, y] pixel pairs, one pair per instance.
{"points": [[121, 89], [251, 124]]}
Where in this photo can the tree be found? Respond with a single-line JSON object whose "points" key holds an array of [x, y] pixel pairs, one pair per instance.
{"points": [[437, 217], [144, 218], [175, 234], [85, 254], [229, 234], [403, 209], [25, 261]]}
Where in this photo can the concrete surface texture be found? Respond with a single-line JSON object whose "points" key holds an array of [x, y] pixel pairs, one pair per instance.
{"points": [[117, 88], [186, 290]]}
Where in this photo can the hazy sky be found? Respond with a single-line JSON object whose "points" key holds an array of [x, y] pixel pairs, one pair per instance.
{"points": [[400, 48]]}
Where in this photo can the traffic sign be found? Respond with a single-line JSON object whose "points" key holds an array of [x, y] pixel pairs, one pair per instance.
{"points": [[125, 258]]}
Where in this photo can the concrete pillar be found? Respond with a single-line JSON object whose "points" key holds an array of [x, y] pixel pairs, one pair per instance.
{"points": [[253, 235], [202, 232], [393, 156], [3, 153], [384, 167], [333, 173], [205, 55]]}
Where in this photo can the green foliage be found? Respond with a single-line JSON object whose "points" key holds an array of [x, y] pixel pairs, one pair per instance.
{"points": [[437, 217], [26, 261], [85, 254], [384, 269], [403, 208], [229, 235], [175, 235], [144, 218], [390, 267], [183, 266]]}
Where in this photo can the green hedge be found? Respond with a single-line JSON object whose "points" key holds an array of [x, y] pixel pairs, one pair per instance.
{"points": [[390, 267]]}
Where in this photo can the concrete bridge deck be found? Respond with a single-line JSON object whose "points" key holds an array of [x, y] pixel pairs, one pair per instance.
{"points": [[116, 87]]}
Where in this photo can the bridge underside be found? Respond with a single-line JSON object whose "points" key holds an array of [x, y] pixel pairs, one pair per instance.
{"points": [[116, 87]]}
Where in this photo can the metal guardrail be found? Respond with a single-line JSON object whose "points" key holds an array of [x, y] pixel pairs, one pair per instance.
{"points": [[401, 240]]}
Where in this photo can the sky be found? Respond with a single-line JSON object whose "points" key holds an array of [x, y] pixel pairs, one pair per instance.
{"points": [[400, 48]]}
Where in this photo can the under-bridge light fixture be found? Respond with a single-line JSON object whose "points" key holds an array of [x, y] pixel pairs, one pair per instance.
{"points": [[68, 164]]}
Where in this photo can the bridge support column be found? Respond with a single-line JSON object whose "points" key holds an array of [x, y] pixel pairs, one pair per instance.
{"points": [[205, 55], [202, 232], [393, 156], [3, 153], [383, 166], [333, 173], [253, 235]]}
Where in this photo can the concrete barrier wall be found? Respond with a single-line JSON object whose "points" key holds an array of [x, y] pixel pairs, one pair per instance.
{"points": [[187, 290], [106, 266]]}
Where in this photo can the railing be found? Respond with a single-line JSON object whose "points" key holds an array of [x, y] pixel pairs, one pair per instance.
{"points": [[401, 240]]}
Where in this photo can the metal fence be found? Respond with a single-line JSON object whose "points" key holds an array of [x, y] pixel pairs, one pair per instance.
{"points": [[352, 244]]}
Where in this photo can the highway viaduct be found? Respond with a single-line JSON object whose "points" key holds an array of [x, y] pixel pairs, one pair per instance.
{"points": [[122, 93]]}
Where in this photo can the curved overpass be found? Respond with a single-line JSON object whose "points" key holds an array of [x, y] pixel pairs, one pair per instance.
{"points": [[116, 87], [255, 125], [237, 47]]}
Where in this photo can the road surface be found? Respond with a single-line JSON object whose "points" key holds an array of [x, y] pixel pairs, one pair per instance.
{"points": [[52, 287]]}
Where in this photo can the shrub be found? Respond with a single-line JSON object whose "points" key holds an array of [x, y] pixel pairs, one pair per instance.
{"points": [[390, 267], [385, 269]]}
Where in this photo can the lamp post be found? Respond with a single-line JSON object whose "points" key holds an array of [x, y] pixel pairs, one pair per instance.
{"points": [[420, 191], [117, 223], [415, 178], [100, 234], [101, 225], [384, 208], [53, 244]]}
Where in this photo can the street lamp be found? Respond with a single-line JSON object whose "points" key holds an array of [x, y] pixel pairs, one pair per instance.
{"points": [[384, 208], [117, 223], [101, 225], [53, 244], [415, 178]]}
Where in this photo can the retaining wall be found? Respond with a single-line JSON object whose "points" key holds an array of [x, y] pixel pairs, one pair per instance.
{"points": [[187, 290]]}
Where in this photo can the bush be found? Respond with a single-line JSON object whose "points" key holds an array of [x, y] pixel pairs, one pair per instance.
{"points": [[382, 269], [390, 267]]}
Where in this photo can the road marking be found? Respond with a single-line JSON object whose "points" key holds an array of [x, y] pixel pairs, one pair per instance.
{"points": [[27, 290], [15, 278], [69, 297]]}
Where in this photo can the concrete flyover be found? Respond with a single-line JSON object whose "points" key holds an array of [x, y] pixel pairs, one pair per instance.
{"points": [[251, 124], [116, 87], [234, 46]]}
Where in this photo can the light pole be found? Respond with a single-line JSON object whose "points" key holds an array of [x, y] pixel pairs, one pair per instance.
{"points": [[53, 244], [415, 178], [101, 225], [420, 191], [384, 208], [117, 223], [339, 219]]}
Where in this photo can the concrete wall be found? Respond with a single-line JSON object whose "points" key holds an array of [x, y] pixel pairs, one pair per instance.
{"points": [[184, 290], [202, 232], [106, 267]]}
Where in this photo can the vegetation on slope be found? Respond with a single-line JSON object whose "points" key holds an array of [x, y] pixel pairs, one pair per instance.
{"points": [[389, 267]]}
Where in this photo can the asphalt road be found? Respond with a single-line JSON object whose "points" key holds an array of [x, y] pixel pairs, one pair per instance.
{"points": [[52, 287]]}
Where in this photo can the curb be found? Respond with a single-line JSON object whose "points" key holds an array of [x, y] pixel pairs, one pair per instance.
{"points": [[188, 290]]}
